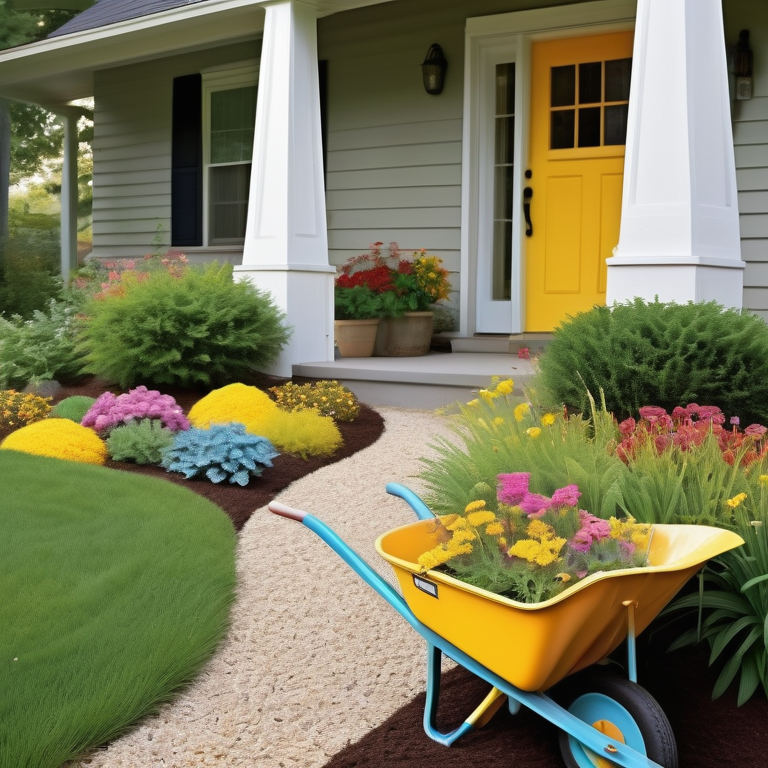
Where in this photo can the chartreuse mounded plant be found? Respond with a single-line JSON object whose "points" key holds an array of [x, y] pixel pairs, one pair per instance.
{"points": [[328, 398], [660, 354], [221, 452], [17, 409], [58, 439], [109, 411], [116, 590], [142, 442], [305, 433], [40, 348], [198, 329], [72, 408]]}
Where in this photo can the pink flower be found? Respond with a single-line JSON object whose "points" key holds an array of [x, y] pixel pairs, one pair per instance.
{"points": [[652, 412], [735, 421], [535, 505], [679, 414], [755, 430], [524, 353], [627, 427], [512, 487], [566, 497], [662, 442]]}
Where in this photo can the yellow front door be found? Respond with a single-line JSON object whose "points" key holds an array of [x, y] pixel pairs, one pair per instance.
{"points": [[579, 98]]}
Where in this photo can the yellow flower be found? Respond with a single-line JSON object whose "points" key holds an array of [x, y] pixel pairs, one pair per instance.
{"points": [[458, 522], [505, 387], [476, 519], [540, 530], [563, 577], [494, 529], [498, 421], [461, 535], [545, 557], [527, 549], [459, 549], [502, 541], [521, 410], [473, 506], [473, 402], [763, 479], [548, 419], [736, 500], [533, 431]]}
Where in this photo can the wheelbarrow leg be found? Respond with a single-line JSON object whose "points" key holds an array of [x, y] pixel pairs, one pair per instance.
{"points": [[482, 714]]}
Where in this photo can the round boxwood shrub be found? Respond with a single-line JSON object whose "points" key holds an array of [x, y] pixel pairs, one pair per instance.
{"points": [[72, 408], [662, 354], [200, 328]]}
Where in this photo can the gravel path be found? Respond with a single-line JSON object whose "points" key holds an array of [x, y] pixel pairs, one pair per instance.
{"points": [[314, 658]]}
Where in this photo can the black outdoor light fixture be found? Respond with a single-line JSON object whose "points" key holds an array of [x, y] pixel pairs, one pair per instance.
{"points": [[433, 70]]}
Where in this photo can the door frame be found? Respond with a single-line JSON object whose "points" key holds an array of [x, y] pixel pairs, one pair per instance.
{"points": [[485, 38]]}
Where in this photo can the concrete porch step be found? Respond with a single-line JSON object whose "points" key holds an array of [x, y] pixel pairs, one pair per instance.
{"points": [[431, 381], [499, 343]]}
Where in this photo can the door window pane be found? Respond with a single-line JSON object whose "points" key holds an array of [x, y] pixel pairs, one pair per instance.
{"points": [[617, 76], [616, 124], [590, 82], [228, 203], [563, 86], [505, 89], [561, 134], [233, 116], [505, 139], [589, 127]]}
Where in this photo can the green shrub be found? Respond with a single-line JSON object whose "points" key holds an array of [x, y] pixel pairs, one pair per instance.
{"points": [[30, 273], [42, 347], [72, 408], [660, 354], [140, 441], [198, 329]]}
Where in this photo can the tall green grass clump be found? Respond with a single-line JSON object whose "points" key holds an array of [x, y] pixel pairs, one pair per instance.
{"points": [[661, 354], [116, 590], [197, 329]]}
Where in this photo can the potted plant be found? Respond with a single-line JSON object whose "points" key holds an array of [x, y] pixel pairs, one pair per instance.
{"points": [[406, 288], [357, 313]]}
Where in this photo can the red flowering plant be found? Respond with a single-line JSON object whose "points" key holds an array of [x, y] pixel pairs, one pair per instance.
{"points": [[388, 284], [688, 428]]}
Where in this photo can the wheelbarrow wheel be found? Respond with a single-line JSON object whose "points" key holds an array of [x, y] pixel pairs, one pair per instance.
{"points": [[622, 710]]}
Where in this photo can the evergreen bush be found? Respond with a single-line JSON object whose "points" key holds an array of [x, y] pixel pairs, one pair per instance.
{"points": [[142, 441], [43, 347], [72, 408], [661, 354], [221, 452], [198, 329]]}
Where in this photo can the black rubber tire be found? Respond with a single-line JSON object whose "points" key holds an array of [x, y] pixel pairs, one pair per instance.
{"points": [[649, 717]]}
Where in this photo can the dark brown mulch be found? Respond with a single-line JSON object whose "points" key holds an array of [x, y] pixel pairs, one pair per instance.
{"points": [[240, 502], [709, 734]]}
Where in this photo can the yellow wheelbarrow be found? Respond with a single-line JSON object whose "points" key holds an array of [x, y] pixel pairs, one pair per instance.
{"points": [[524, 649]]}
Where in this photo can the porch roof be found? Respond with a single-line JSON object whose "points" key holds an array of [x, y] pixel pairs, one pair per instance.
{"points": [[58, 70]]}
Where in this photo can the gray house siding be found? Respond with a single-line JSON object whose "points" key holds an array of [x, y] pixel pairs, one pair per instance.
{"points": [[132, 152]]}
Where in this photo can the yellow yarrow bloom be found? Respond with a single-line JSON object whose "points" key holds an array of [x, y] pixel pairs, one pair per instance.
{"points": [[521, 410], [473, 506], [505, 387], [473, 402], [476, 519], [548, 419], [763, 479], [736, 500], [457, 523], [462, 535], [459, 548], [498, 421], [533, 431], [487, 395], [494, 529], [540, 530]]}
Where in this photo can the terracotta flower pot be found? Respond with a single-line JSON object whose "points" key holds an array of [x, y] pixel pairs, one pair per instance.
{"points": [[356, 338], [406, 336]]}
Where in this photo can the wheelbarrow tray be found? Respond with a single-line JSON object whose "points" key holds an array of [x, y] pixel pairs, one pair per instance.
{"points": [[535, 645]]}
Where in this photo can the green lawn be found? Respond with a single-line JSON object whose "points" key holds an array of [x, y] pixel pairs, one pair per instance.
{"points": [[114, 590]]}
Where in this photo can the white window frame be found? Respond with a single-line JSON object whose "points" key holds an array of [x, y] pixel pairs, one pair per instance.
{"points": [[488, 39], [222, 78]]}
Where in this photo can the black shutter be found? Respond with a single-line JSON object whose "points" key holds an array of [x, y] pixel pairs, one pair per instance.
{"points": [[187, 162]]}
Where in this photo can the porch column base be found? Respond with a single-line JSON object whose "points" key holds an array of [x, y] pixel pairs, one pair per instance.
{"points": [[676, 280], [305, 294]]}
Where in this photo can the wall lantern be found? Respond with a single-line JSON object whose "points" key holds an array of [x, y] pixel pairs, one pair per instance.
{"points": [[742, 67], [433, 70]]}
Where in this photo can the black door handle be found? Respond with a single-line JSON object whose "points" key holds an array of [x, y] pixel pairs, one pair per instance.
{"points": [[527, 195]]}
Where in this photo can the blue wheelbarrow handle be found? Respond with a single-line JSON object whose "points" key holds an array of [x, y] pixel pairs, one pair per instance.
{"points": [[620, 754]]}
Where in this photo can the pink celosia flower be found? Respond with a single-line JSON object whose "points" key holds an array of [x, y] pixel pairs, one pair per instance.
{"points": [[627, 427], [662, 442], [535, 505], [680, 414], [512, 487], [592, 529], [652, 412], [524, 353], [109, 411], [566, 497], [755, 430]]}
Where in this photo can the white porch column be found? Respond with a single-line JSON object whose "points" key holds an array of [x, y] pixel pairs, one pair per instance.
{"points": [[679, 221], [286, 240], [69, 194]]}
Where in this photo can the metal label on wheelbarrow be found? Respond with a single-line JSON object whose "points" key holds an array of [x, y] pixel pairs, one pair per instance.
{"points": [[425, 586]]}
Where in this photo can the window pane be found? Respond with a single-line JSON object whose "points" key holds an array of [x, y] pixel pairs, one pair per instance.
{"points": [[502, 261], [561, 135], [617, 76], [616, 124], [563, 86], [233, 116], [505, 89], [505, 139], [502, 195], [589, 127], [590, 82], [228, 203]]}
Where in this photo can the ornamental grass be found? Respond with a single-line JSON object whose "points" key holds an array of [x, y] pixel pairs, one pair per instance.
{"points": [[116, 591], [58, 439]]}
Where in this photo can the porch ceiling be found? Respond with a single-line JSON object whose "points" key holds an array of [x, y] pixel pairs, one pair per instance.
{"points": [[56, 71]]}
